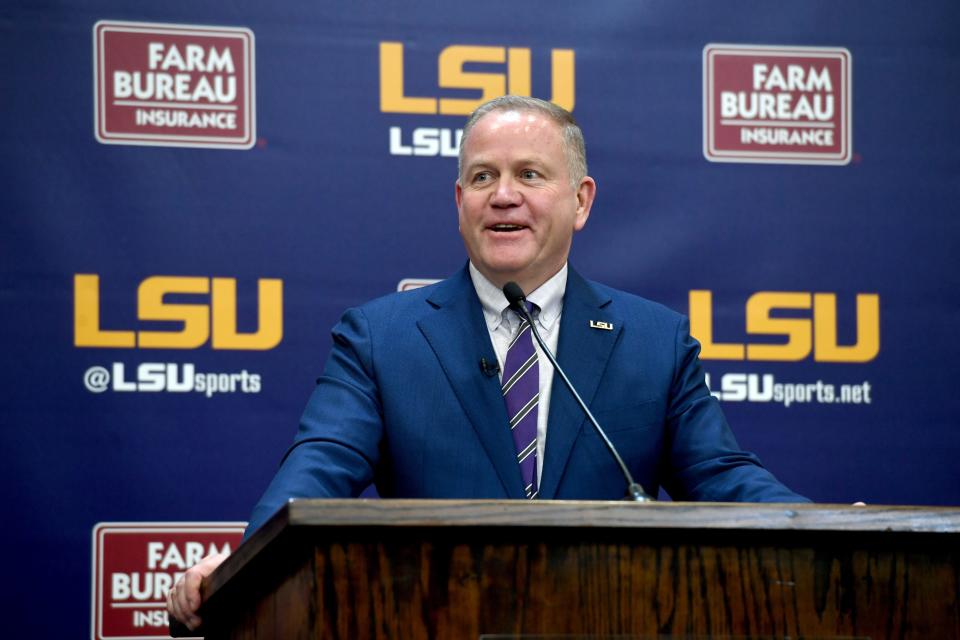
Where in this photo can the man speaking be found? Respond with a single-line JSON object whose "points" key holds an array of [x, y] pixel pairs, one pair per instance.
{"points": [[441, 392]]}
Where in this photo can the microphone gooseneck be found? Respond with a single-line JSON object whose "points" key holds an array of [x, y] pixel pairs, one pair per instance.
{"points": [[515, 296]]}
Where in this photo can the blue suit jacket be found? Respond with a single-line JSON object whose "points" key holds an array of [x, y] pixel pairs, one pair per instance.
{"points": [[403, 403]]}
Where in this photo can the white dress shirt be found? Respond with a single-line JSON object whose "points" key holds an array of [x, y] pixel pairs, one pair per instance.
{"points": [[502, 323]]}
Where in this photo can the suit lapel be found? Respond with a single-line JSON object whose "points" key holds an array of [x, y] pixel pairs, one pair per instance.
{"points": [[459, 337], [583, 352]]}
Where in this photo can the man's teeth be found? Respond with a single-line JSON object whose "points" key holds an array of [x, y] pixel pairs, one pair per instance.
{"points": [[507, 227]]}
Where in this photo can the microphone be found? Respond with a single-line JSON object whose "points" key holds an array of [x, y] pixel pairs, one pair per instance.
{"points": [[517, 300], [489, 369]]}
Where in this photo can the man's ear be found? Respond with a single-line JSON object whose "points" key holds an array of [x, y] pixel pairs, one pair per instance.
{"points": [[586, 192], [458, 193]]}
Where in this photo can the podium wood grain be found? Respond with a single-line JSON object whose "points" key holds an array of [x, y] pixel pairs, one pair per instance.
{"points": [[458, 569]]}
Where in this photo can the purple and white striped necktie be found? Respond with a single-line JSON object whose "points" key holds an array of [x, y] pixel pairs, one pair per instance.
{"points": [[521, 393]]}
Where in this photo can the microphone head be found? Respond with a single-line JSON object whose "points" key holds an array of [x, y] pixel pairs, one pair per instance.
{"points": [[514, 294]]}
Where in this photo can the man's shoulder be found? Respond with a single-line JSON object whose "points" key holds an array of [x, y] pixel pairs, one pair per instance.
{"points": [[413, 301], [631, 304]]}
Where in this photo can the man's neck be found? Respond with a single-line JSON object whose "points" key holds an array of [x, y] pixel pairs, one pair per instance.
{"points": [[528, 285], [548, 298]]}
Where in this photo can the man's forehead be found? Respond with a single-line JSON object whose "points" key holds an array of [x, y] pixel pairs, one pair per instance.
{"points": [[518, 128], [513, 120], [485, 161]]}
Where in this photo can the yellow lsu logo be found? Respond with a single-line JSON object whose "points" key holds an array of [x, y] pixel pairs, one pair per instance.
{"points": [[451, 75], [216, 321], [803, 335]]}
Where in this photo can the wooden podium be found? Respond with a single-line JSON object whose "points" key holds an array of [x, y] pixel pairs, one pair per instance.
{"points": [[464, 569]]}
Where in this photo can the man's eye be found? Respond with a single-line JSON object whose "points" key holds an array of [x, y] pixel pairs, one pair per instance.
{"points": [[482, 177], [529, 174]]}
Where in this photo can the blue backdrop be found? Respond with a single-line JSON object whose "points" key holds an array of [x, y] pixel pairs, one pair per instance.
{"points": [[343, 189]]}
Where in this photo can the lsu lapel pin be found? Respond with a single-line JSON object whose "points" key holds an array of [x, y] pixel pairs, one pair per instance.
{"points": [[596, 324]]}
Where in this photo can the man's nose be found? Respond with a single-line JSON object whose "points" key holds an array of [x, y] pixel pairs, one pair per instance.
{"points": [[506, 194]]}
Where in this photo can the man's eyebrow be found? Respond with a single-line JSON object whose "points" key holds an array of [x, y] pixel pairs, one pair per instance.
{"points": [[518, 162], [530, 161], [478, 164]]}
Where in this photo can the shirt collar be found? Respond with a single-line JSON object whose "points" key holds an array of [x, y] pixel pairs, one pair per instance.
{"points": [[548, 297]]}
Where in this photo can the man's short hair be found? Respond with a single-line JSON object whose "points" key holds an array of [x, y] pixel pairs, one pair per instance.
{"points": [[573, 144]]}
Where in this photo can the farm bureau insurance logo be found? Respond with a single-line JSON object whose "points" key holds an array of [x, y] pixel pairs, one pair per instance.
{"points": [[173, 85], [789, 105], [136, 563]]}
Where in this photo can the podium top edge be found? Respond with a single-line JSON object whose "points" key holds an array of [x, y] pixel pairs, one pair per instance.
{"points": [[620, 514], [312, 516]]}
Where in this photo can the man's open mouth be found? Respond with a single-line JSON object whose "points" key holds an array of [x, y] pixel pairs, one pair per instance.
{"points": [[505, 228]]}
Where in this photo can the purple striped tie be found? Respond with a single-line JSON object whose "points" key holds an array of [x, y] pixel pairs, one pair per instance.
{"points": [[521, 392]]}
